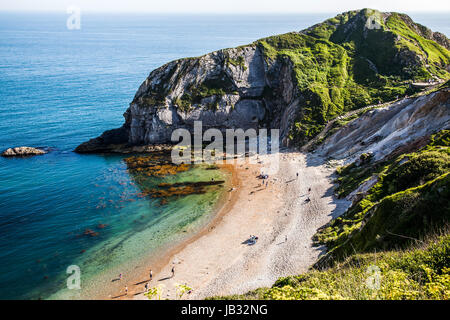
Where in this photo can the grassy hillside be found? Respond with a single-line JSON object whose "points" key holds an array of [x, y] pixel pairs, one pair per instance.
{"points": [[418, 273], [355, 59], [410, 199]]}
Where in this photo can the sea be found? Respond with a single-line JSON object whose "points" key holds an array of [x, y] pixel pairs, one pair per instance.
{"points": [[61, 86]]}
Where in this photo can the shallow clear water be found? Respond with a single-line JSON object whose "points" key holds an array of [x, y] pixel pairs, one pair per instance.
{"points": [[59, 88]]}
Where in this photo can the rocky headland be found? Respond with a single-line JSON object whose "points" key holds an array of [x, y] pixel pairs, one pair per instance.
{"points": [[295, 82]]}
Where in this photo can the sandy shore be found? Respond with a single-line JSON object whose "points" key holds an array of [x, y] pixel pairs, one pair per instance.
{"points": [[217, 262]]}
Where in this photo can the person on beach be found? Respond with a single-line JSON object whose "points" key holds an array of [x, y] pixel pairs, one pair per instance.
{"points": [[151, 274], [285, 238], [120, 276], [297, 175], [146, 288], [126, 290], [309, 189], [173, 271]]}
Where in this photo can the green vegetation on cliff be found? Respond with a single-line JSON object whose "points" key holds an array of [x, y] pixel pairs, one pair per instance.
{"points": [[214, 88], [410, 198], [417, 273]]}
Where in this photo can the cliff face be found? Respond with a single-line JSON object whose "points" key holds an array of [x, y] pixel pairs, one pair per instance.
{"points": [[223, 89], [295, 82], [389, 131], [210, 89]]}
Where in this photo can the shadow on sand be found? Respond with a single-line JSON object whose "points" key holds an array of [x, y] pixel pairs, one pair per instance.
{"points": [[166, 278]]}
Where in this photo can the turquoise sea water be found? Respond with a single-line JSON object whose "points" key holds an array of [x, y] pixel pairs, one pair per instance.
{"points": [[59, 88]]}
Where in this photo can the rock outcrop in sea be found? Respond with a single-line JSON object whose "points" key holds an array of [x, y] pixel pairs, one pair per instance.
{"points": [[295, 82], [22, 152]]}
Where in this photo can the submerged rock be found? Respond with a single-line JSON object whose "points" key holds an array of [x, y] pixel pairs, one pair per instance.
{"points": [[152, 166], [22, 152], [192, 184], [167, 190], [91, 233]]}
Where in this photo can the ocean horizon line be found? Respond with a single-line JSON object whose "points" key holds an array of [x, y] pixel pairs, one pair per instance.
{"points": [[226, 13]]}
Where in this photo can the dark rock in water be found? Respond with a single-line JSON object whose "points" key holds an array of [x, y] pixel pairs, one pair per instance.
{"points": [[89, 232], [191, 184], [151, 166], [167, 190], [22, 152], [116, 141], [106, 142]]}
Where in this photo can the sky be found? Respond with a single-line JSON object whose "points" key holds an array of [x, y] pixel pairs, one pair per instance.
{"points": [[226, 6]]}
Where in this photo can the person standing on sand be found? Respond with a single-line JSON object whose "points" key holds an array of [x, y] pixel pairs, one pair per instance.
{"points": [[146, 288], [126, 290], [297, 175], [173, 271], [120, 276], [151, 275]]}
